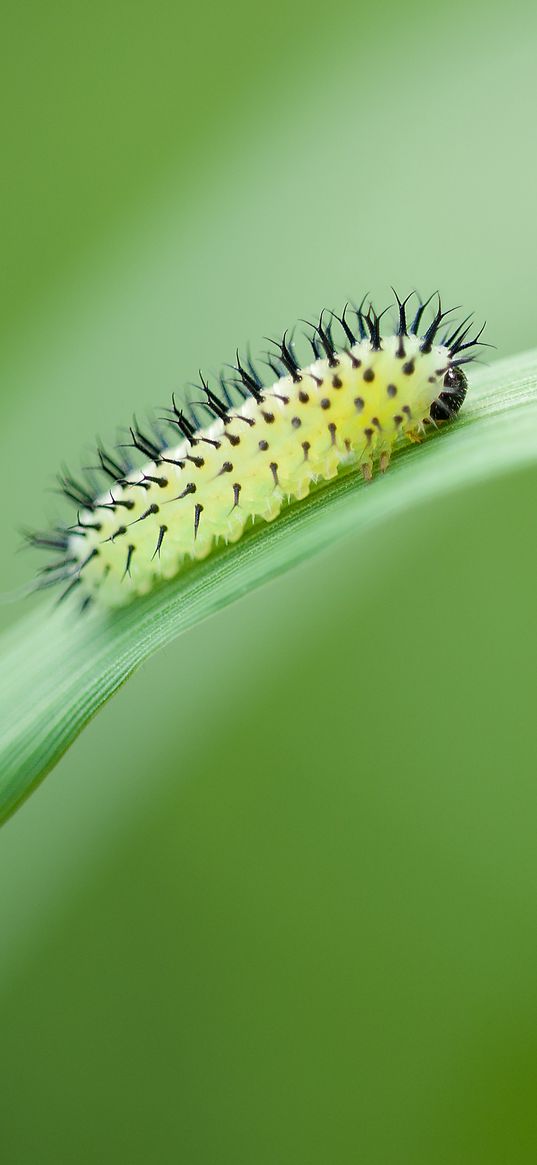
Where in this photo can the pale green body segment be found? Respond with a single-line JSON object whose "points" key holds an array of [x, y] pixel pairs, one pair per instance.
{"points": [[349, 413]]}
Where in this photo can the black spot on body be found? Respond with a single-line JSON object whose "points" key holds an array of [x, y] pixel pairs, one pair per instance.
{"points": [[198, 510], [325, 403], [114, 504], [154, 509], [359, 403], [303, 396], [130, 552], [189, 489], [296, 422], [408, 368], [369, 375], [337, 381], [160, 481], [392, 390], [92, 554], [160, 540], [263, 445], [268, 417]]}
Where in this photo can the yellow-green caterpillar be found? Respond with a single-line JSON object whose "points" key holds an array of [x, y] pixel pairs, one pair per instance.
{"points": [[360, 395]]}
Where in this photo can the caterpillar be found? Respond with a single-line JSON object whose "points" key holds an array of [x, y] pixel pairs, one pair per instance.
{"points": [[247, 448]]}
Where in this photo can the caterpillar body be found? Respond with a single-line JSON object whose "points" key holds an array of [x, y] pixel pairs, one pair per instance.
{"points": [[358, 397]]}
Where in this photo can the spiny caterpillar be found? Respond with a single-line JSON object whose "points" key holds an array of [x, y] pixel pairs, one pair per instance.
{"points": [[263, 446]]}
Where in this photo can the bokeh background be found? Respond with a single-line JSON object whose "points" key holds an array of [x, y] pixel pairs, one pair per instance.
{"points": [[289, 918]]}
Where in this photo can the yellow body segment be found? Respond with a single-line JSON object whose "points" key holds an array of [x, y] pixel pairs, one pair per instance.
{"points": [[350, 409]]}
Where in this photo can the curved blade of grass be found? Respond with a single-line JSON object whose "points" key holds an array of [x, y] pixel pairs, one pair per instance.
{"points": [[58, 669]]}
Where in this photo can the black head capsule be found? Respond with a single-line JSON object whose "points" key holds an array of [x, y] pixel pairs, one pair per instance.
{"points": [[449, 401]]}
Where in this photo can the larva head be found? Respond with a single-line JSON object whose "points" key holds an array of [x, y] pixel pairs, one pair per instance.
{"points": [[448, 402]]}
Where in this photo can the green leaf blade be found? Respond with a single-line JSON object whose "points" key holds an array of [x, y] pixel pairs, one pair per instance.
{"points": [[59, 669]]}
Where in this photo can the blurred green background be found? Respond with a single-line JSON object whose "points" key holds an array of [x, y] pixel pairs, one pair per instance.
{"points": [[288, 918]]}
